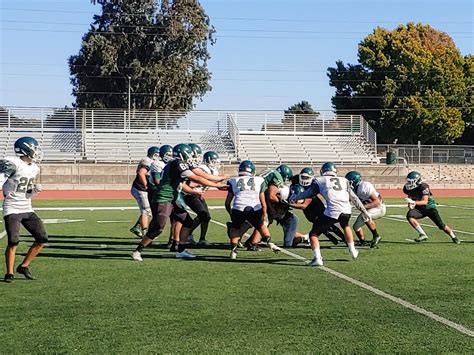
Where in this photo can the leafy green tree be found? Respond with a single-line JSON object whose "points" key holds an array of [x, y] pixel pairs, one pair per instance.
{"points": [[410, 84], [301, 108], [157, 48]]}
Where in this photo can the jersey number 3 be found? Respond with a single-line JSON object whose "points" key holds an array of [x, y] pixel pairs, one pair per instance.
{"points": [[242, 186], [337, 185]]}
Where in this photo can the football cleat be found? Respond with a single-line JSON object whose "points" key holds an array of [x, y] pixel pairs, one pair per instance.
{"points": [[203, 242], [233, 255], [273, 248], [185, 255], [253, 247], [421, 238], [9, 278], [455, 240], [316, 262], [362, 243], [375, 242], [25, 272], [354, 253], [137, 231], [137, 256]]}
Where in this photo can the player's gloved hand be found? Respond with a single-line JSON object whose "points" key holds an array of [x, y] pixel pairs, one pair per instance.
{"points": [[273, 248], [411, 203], [37, 188], [367, 217]]}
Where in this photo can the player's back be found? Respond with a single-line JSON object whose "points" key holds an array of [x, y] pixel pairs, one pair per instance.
{"points": [[335, 191], [246, 190]]}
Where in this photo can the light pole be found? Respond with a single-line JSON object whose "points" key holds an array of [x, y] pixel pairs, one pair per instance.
{"points": [[129, 99]]}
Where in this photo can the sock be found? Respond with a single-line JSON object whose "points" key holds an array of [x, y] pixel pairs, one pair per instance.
{"points": [[305, 237], [140, 247], [420, 230], [375, 234], [234, 247], [351, 246], [317, 253], [266, 239], [452, 235], [180, 248]]}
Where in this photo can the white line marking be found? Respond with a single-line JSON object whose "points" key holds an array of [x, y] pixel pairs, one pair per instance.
{"points": [[55, 221], [429, 226], [410, 240], [460, 207], [3, 234], [460, 328], [85, 208]]}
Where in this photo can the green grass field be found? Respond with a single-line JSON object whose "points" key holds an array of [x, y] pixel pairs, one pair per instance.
{"points": [[90, 297]]}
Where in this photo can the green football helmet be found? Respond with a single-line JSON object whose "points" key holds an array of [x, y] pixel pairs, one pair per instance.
{"points": [[183, 151], [413, 180], [197, 152], [211, 159], [166, 153], [285, 172], [153, 153], [354, 178], [328, 169], [306, 176], [296, 189], [247, 168], [28, 147]]}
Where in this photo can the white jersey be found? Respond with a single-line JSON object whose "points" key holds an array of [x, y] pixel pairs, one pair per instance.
{"points": [[365, 190], [246, 190], [156, 168], [335, 191], [18, 188], [208, 170]]}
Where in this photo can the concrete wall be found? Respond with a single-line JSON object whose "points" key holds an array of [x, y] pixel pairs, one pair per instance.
{"points": [[120, 176]]}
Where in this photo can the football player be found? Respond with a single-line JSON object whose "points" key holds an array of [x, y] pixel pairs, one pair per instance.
{"points": [[165, 204], [312, 207], [338, 194], [372, 202], [421, 204], [139, 191], [18, 189], [247, 197], [194, 199], [277, 209]]}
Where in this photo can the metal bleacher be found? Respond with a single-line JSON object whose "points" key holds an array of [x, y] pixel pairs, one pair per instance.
{"points": [[96, 136]]}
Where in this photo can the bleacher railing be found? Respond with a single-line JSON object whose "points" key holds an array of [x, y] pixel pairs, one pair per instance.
{"points": [[82, 123], [430, 154]]}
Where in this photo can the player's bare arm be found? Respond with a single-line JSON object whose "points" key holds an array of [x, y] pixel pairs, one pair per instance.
{"points": [[198, 171]]}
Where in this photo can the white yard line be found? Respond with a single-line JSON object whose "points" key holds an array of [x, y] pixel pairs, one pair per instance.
{"points": [[460, 207], [427, 225], [460, 328], [86, 208], [3, 234], [114, 221]]}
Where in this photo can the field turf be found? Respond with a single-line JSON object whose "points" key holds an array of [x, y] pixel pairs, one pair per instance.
{"points": [[90, 297]]}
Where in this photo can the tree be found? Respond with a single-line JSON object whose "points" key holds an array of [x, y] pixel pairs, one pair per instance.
{"points": [[158, 49], [410, 84], [301, 115], [301, 108]]}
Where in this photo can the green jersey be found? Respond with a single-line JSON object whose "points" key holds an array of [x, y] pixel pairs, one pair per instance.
{"points": [[272, 177], [174, 173], [417, 194]]}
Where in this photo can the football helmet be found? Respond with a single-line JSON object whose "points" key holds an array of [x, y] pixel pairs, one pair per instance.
{"points": [[153, 153], [246, 168], [328, 169], [166, 153], [306, 176], [296, 189], [413, 180], [28, 147], [197, 152], [354, 178], [184, 152], [211, 159], [285, 172]]}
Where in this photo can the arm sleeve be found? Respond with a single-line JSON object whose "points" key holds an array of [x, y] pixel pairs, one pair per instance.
{"points": [[7, 167], [356, 201], [312, 190]]}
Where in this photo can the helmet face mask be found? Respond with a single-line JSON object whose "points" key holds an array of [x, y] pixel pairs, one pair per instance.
{"points": [[247, 168], [166, 153], [153, 153], [354, 178], [211, 159], [28, 147], [413, 180], [306, 176], [196, 153], [328, 169]]}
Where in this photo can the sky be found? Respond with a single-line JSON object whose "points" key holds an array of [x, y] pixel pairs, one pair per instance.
{"points": [[269, 54]]}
